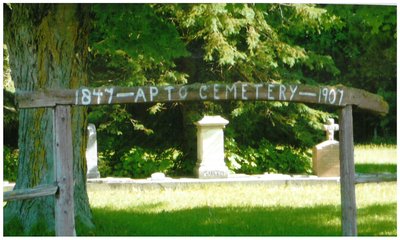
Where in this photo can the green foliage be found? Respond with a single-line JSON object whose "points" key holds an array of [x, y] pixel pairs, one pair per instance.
{"points": [[131, 45], [225, 43], [252, 38], [119, 131], [137, 30], [266, 157], [10, 117], [281, 43], [114, 119], [115, 127], [10, 164], [141, 163], [7, 81], [156, 44], [280, 123], [363, 47]]}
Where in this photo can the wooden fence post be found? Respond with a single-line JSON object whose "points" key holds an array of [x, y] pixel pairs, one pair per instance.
{"points": [[63, 164], [347, 178]]}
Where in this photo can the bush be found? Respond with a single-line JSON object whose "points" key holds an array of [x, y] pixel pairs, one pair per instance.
{"points": [[139, 162], [105, 163], [266, 158], [10, 163]]}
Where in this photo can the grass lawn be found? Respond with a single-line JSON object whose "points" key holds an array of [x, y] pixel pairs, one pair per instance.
{"points": [[239, 210], [248, 210], [375, 158]]}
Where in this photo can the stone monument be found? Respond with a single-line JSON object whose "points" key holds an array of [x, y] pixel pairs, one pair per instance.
{"points": [[91, 153], [210, 148], [326, 161]]}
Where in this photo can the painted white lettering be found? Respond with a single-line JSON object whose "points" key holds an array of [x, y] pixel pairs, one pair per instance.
{"points": [[293, 90], [169, 89], [99, 94], [202, 88], [216, 91], [282, 91], [319, 95], [323, 95], [270, 88], [127, 94], [332, 96], [257, 86], [76, 96], [307, 94], [341, 91], [229, 90], [110, 91], [244, 86], [183, 92], [153, 92], [86, 96], [140, 93]]}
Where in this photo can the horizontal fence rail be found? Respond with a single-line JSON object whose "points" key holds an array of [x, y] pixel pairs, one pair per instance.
{"points": [[375, 178], [327, 95], [27, 193]]}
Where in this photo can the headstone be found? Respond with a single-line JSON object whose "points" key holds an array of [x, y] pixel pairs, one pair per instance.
{"points": [[330, 129], [91, 153], [210, 148], [157, 176], [326, 161]]}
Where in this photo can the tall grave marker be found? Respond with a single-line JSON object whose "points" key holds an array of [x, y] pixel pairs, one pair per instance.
{"points": [[210, 148], [91, 153], [326, 161]]}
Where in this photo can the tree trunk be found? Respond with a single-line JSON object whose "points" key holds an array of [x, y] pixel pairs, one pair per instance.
{"points": [[48, 47]]}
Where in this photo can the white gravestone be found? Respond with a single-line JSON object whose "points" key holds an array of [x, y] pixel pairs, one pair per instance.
{"points": [[326, 161], [91, 153], [210, 148]]}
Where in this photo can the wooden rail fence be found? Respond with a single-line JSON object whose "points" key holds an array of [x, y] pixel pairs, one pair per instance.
{"points": [[62, 100]]}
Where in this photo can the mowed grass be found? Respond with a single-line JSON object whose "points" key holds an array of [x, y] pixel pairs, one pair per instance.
{"points": [[250, 210], [239, 210], [375, 158]]}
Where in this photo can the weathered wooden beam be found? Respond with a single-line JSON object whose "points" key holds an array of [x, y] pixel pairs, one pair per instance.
{"points": [[347, 172], [63, 163], [375, 178], [368, 101], [44, 98], [327, 95], [27, 193]]}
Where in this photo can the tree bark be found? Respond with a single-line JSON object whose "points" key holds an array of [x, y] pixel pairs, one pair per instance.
{"points": [[48, 48]]}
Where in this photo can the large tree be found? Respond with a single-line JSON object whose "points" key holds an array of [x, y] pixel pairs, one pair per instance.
{"points": [[48, 49]]}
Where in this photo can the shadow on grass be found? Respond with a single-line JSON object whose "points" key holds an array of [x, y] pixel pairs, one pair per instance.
{"points": [[376, 168], [323, 220], [378, 220]]}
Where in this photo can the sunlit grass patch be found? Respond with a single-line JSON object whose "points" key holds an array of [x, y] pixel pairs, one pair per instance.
{"points": [[240, 210], [371, 158], [378, 154]]}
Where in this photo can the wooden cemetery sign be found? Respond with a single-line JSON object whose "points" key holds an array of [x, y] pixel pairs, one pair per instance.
{"points": [[62, 100], [336, 96]]}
